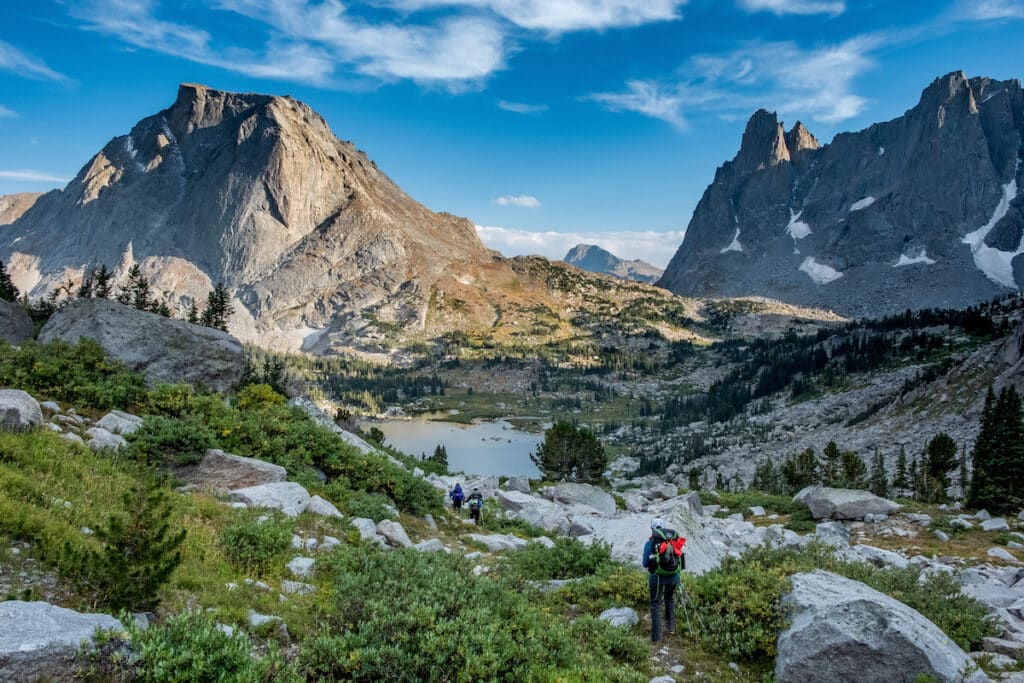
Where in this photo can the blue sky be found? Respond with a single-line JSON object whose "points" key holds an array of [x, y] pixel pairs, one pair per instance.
{"points": [[546, 122]]}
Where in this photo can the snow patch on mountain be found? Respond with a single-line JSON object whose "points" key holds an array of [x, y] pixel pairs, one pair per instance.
{"points": [[909, 261], [997, 265], [819, 272], [797, 228], [735, 244], [862, 203]]}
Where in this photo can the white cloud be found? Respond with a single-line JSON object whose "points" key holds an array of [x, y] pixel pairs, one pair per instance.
{"points": [[524, 201], [6, 113], [32, 176], [14, 60], [810, 83], [559, 16], [648, 245], [780, 7], [522, 108], [989, 10]]}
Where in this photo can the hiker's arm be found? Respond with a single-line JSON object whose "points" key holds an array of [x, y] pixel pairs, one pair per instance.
{"points": [[647, 555]]}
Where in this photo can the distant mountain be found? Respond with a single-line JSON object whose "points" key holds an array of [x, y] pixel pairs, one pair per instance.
{"points": [[321, 251], [597, 260], [921, 211]]}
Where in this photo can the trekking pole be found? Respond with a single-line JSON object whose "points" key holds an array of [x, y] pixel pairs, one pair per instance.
{"points": [[686, 612], [696, 612]]}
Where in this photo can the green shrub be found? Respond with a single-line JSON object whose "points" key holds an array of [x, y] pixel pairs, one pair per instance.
{"points": [[493, 519], [172, 400], [569, 559], [404, 616], [801, 521], [359, 503], [740, 501], [253, 545], [257, 395], [79, 374], [171, 441], [137, 556]]}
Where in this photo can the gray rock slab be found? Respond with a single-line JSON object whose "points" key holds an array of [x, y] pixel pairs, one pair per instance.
{"points": [[498, 542], [18, 411], [15, 324], [286, 496], [38, 641], [585, 494], [519, 483], [119, 422], [393, 533], [220, 471], [324, 508], [842, 630], [289, 587], [301, 567], [367, 528], [620, 616], [433, 545], [164, 350], [100, 439], [996, 524], [830, 503]]}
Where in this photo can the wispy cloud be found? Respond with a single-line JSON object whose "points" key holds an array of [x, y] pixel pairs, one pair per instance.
{"points": [[521, 108], [524, 201], [23, 64], [559, 16], [33, 176], [989, 10], [6, 113], [815, 83], [780, 7], [648, 245]]}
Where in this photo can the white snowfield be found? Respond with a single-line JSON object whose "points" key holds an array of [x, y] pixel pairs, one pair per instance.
{"points": [[797, 228], [819, 272], [735, 244], [910, 261], [862, 203], [997, 265]]}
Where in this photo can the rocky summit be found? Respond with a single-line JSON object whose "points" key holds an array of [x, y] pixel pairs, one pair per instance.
{"points": [[594, 259], [921, 211]]}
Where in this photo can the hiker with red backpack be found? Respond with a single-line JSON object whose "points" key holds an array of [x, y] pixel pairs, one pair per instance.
{"points": [[663, 558]]}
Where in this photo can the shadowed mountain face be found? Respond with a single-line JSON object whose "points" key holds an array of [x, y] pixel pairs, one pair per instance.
{"points": [[597, 260], [921, 211]]}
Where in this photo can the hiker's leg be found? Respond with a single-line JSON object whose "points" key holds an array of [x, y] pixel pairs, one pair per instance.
{"points": [[670, 607], [656, 596]]}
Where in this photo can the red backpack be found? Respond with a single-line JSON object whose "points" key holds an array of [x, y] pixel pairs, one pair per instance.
{"points": [[667, 546]]}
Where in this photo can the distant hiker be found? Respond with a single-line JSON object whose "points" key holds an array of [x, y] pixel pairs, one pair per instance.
{"points": [[457, 497], [476, 504], [663, 558]]}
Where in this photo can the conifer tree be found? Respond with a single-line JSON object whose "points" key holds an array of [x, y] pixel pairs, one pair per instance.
{"points": [[440, 456], [800, 471], [570, 452], [901, 482], [853, 471], [766, 477], [719, 481], [940, 458], [693, 478], [193, 316], [997, 482], [85, 289], [101, 278], [831, 464], [8, 292], [965, 474], [879, 481], [218, 308], [912, 475], [136, 291]]}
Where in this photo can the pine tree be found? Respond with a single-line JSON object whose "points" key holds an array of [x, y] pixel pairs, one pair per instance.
{"points": [[85, 289], [853, 471], [8, 292], [719, 481], [900, 482], [965, 474], [912, 475], [800, 471], [998, 456], [693, 478], [136, 291], [570, 452], [218, 308], [101, 282], [193, 315], [940, 458], [831, 464], [440, 456], [879, 481], [766, 477]]}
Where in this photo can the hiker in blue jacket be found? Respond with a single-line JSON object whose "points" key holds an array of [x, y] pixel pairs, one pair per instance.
{"points": [[457, 497], [662, 583]]}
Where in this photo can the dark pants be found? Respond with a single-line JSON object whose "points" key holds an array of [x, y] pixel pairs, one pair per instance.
{"points": [[457, 505], [474, 514], [663, 589]]}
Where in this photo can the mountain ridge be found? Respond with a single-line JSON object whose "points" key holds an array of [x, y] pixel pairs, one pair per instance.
{"points": [[594, 259]]}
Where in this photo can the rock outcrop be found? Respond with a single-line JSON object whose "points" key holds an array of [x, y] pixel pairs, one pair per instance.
{"points": [[594, 259], [39, 641], [165, 350], [18, 411], [921, 211], [842, 630], [220, 471], [15, 325], [830, 503]]}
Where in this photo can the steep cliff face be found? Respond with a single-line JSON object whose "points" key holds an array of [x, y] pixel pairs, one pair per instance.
{"points": [[924, 210], [254, 191]]}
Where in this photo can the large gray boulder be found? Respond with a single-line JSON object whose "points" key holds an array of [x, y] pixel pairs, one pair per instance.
{"points": [[584, 494], [534, 510], [830, 503], [15, 325], [220, 471], [119, 422], [18, 411], [842, 630], [394, 533], [38, 641], [286, 496], [163, 349], [498, 542]]}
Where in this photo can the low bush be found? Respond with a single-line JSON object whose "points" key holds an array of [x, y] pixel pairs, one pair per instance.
{"points": [[79, 374], [740, 501], [171, 441], [258, 395], [257, 539], [404, 616], [569, 559], [172, 400], [359, 503], [492, 518]]}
